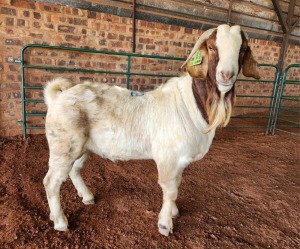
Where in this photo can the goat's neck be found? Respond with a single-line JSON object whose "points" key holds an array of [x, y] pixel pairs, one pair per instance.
{"points": [[214, 108], [200, 94]]}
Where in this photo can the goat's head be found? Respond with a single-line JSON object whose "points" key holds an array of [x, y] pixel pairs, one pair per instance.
{"points": [[224, 51]]}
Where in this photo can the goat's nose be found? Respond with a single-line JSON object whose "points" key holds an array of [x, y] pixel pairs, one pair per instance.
{"points": [[227, 75]]}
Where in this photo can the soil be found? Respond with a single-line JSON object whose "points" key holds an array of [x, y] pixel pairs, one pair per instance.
{"points": [[245, 193]]}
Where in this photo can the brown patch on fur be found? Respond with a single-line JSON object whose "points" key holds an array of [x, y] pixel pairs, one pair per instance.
{"points": [[247, 61], [215, 108], [200, 71], [250, 65], [200, 96]]}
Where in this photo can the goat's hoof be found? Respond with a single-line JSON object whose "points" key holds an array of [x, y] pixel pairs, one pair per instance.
{"points": [[164, 230], [61, 223], [62, 228], [89, 202]]}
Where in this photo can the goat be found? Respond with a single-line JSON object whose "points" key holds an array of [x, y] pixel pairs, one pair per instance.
{"points": [[174, 124]]}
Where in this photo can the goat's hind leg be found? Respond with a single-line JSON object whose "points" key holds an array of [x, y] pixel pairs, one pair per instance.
{"points": [[59, 169], [82, 190]]}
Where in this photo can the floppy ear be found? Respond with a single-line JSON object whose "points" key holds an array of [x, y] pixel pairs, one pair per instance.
{"points": [[200, 70], [250, 68]]}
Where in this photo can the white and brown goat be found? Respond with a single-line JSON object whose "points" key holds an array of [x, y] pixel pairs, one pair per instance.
{"points": [[174, 125]]}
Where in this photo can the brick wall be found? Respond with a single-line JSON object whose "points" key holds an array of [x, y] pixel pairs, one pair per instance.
{"points": [[27, 22]]}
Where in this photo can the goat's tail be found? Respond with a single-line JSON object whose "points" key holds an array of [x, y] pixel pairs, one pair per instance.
{"points": [[54, 88]]}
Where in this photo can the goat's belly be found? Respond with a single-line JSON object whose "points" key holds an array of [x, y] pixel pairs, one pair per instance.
{"points": [[116, 146]]}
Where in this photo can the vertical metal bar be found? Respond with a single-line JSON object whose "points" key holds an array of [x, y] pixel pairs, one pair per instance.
{"points": [[281, 87], [24, 125], [272, 109], [128, 72]]}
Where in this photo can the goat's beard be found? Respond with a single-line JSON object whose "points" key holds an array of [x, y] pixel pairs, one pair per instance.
{"points": [[219, 108]]}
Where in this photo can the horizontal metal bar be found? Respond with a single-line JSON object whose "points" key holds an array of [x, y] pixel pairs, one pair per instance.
{"points": [[290, 98], [258, 81], [34, 101], [290, 116], [291, 133], [288, 110], [154, 75], [35, 127], [242, 117], [289, 107], [36, 114], [254, 126], [72, 69], [288, 126], [249, 106], [292, 82], [34, 87], [254, 96], [103, 52], [96, 71], [289, 121]]}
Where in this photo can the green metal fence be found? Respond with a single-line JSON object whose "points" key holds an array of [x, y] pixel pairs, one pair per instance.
{"points": [[128, 74], [258, 115], [25, 66], [287, 109]]}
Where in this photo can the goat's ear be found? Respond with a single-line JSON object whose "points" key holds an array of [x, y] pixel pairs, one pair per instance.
{"points": [[250, 68], [199, 70]]}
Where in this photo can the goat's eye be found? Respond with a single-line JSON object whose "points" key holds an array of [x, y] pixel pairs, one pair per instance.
{"points": [[210, 47]]}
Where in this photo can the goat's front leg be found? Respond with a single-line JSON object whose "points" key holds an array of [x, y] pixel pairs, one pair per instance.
{"points": [[169, 178]]}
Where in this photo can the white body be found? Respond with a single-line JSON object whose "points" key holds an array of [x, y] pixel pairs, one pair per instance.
{"points": [[164, 125], [169, 124]]}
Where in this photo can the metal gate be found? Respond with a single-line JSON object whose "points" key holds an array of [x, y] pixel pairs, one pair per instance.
{"points": [[287, 109], [29, 112], [40, 61], [261, 97]]}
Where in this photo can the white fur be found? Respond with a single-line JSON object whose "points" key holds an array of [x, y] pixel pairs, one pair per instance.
{"points": [[164, 125], [228, 42]]}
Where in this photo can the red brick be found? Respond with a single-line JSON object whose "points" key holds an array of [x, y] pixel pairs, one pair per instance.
{"points": [[28, 4], [66, 29], [8, 11]]}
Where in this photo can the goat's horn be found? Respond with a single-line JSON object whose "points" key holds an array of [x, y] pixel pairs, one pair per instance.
{"points": [[201, 39]]}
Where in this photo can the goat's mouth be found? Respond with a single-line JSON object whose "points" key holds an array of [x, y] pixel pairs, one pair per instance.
{"points": [[225, 87]]}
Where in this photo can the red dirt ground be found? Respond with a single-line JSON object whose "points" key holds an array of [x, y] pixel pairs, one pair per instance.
{"points": [[244, 194]]}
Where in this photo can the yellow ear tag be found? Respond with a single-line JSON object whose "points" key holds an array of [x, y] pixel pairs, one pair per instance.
{"points": [[196, 59]]}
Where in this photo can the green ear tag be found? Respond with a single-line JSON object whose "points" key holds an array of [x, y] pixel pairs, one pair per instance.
{"points": [[196, 59]]}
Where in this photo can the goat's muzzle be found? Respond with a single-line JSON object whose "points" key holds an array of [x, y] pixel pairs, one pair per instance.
{"points": [[225, 80]]}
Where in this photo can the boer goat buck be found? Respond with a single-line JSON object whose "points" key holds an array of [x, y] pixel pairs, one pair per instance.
{"points": [[174, 125]]}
